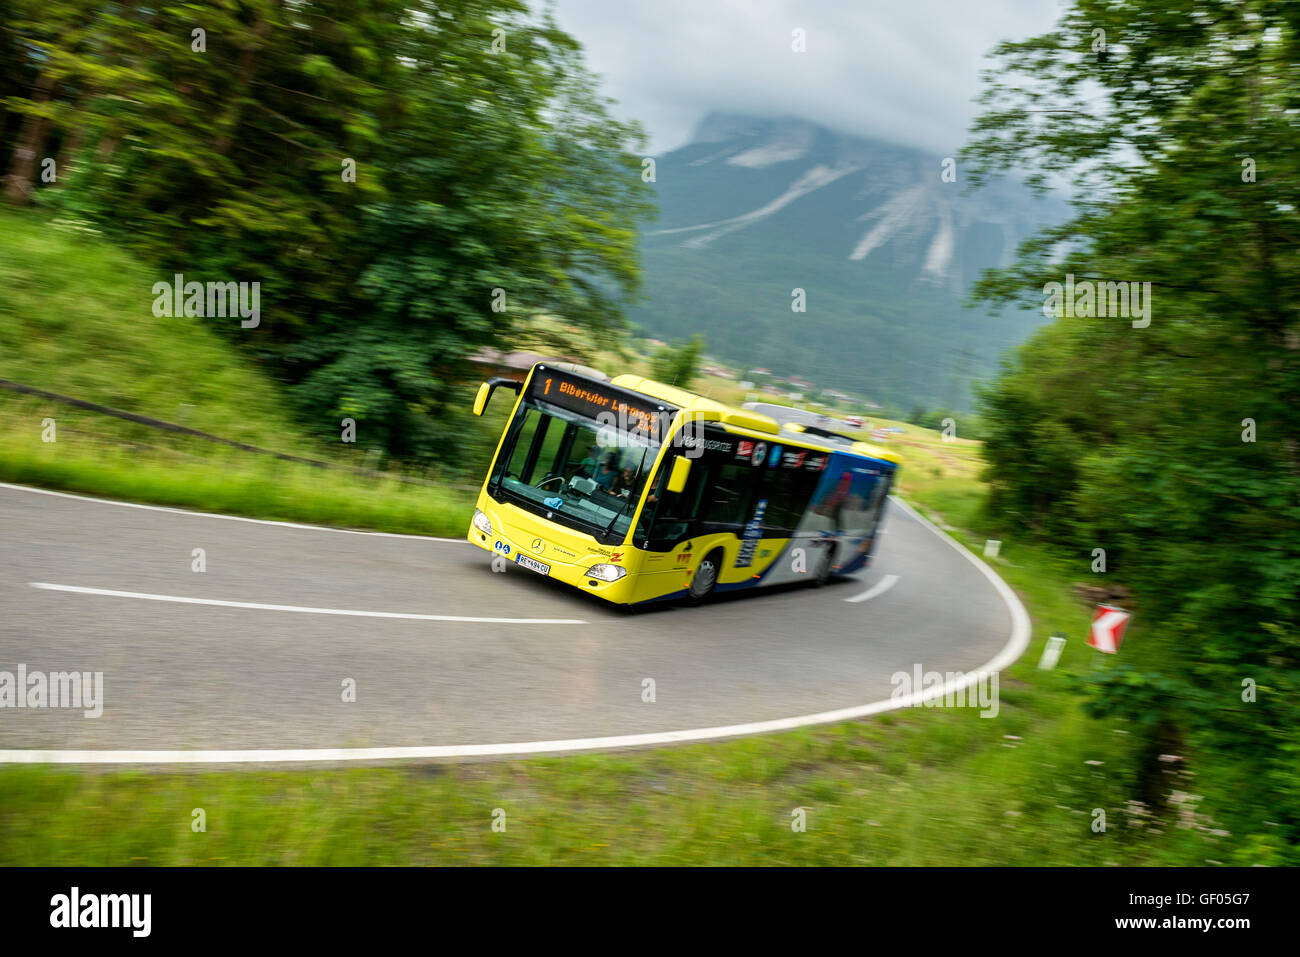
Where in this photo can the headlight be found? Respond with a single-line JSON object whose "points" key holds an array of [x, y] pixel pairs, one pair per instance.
{"points": [[481, 522], [606, 573]]}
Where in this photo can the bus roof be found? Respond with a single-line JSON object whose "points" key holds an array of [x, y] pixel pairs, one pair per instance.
{"points": [[790, 428]]}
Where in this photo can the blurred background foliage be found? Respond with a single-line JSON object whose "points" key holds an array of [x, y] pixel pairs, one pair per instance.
{"points": [[485, 160], [678, 363], [1173, 447]]}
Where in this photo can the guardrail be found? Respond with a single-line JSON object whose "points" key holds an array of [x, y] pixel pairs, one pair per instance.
{"points": [[153, 423]]}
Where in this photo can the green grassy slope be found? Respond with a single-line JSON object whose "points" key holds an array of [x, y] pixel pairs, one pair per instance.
{"points": [[76, 317]]}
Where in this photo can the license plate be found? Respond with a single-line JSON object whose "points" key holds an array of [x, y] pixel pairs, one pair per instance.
{"points": [[534, 564]]}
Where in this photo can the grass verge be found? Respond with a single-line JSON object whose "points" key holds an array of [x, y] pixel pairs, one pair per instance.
{"points": [[142, 465]]}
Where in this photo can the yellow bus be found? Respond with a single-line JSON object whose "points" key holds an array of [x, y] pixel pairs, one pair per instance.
{"points": [[637, 491]]}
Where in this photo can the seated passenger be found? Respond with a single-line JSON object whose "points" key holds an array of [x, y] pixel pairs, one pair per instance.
{"points": [[607, 472], [588, 465], [625, 483]]}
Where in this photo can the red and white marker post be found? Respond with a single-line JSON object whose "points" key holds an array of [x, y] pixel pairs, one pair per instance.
{"points": [[1108, 625]]}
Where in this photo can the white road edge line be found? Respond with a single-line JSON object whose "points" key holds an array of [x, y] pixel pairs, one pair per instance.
{"points": [[879, 588], [227, 518], [302, 609], [1016, 644]]}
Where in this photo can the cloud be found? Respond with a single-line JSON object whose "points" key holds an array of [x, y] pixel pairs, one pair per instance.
{"points": [[904, 72]]}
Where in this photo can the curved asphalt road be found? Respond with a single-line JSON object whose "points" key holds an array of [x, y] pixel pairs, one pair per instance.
{"points": [[201, 680]]}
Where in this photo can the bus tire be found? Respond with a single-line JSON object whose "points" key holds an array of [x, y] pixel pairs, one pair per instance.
{"points": [[824, 565], [705, 578]]}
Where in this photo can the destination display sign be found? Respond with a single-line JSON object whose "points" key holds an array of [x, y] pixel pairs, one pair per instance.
{"points": [[606, 404]]}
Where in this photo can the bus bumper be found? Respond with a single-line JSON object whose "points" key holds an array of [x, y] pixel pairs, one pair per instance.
{"points": [[522, 539]]}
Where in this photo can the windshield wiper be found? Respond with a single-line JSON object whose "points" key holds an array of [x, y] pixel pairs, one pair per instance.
{"points": [[617, 516]]}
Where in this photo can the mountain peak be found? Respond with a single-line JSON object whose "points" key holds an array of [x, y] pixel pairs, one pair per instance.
{"points": [[717, 127], [885, 248], [761, 141]]}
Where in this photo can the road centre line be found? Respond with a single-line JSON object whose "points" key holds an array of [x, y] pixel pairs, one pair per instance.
{"points": [[301, 609]]}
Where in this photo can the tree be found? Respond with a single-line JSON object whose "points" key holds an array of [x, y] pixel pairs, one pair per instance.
{"points": [[678, 364], [210, 136], [405, 180], [1176, 122], [510, 192]]}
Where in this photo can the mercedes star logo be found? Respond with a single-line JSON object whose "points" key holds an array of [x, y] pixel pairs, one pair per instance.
{"points": [[538, 545]]}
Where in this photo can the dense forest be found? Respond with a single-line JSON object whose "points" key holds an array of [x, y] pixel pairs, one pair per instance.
{"points": [[1164, 451], [407, 181]]}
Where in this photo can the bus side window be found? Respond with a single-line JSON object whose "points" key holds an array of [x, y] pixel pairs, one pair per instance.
{"points": [[877, 505], [788, 492], [727, 503], [676, 512], [654, 505]]}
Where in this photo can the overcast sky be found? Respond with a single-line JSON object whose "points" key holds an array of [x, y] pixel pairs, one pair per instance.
{"points": [[899, 70]]}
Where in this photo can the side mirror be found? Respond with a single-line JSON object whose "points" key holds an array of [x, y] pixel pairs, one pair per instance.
{"points": [[487, 388], [480, 400], [681, 471]]}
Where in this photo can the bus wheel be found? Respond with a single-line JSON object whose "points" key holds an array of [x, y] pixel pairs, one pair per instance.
{"points": [[824, 565], [705, 577]]}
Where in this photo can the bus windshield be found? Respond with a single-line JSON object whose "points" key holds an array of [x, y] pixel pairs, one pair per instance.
{"points": [[573, 469]]}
